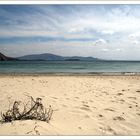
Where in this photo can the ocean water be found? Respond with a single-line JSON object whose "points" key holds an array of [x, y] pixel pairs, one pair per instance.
{"points": [[68, 66]]}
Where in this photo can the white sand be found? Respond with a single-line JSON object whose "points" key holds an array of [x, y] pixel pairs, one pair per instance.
{"points": [[83, 105]]}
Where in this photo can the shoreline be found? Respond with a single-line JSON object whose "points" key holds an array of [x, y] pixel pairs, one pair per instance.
{"points": [[73, 74]]}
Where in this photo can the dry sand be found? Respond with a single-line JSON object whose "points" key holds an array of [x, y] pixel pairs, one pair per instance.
{"points": [[83, 105]]}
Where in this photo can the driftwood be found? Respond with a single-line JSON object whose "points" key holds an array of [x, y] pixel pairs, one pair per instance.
{"points": [[36, 112]]}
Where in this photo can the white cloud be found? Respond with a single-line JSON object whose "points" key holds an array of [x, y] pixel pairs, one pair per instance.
{"points": [[135, 42], [134, 35], [105, 50], [118, 49], [100, 42], [134, 38], [108, 32], [111, 50]]}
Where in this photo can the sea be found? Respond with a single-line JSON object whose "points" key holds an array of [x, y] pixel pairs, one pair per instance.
{"points": [[81, 67]]}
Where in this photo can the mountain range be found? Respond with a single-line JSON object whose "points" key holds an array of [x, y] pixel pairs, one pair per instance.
{"points": [[47, 57], [53, 57]]}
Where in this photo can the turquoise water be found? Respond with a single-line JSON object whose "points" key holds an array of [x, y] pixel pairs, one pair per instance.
{"points": [[68, 66]]}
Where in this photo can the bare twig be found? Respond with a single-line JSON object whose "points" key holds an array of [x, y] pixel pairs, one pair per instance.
{"points": [[36, 111]]}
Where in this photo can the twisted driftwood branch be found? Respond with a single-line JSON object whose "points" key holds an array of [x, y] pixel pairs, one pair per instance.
{"points": [[36, 111]]}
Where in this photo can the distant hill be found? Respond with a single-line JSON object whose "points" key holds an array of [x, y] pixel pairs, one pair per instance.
{"points": [[52, 57], [6, 58], [45, 56]]}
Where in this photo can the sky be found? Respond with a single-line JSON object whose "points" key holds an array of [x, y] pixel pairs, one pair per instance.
{"points": [[102, 31]]}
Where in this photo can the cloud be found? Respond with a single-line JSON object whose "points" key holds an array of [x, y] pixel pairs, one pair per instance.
{"points": [[108, 32], [135, 42], [118, 49], [85, 29], [109, 50], [100, 42], [50, 18], [134, 35], [134, 38], [105, 50]]}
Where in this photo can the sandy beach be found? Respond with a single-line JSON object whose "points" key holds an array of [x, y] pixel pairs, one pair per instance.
{"points": [[83, 105]]}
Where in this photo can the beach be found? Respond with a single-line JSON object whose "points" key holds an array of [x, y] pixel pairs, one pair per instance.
{"points": [[82, 104]]}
